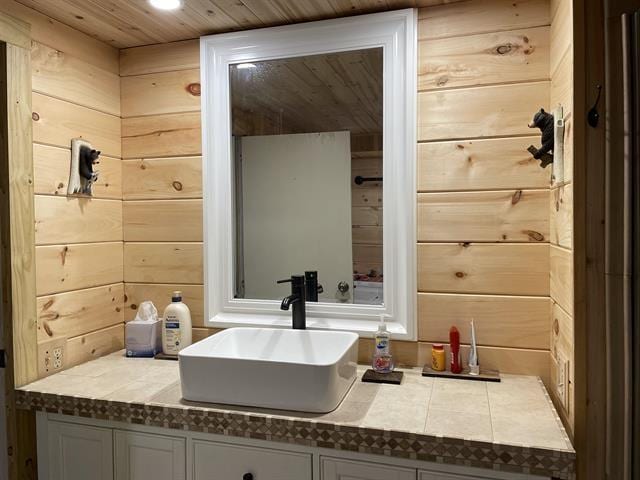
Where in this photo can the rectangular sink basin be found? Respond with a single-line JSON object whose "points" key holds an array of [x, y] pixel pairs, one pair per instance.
{"points": [[302, 370]]}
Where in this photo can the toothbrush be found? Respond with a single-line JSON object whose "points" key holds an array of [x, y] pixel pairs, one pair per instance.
{"points": [[474, 367]]}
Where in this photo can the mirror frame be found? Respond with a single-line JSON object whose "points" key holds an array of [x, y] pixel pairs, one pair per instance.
{"points": [[396, 33]]}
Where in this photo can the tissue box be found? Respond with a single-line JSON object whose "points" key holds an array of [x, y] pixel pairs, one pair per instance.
{"points": [[143, 338]]}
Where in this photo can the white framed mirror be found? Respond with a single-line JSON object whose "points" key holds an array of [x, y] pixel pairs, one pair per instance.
{"points": [[309, 140]]}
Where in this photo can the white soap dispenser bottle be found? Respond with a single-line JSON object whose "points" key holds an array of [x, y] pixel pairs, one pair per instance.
{"points": [[176, 326], [382, 359]]}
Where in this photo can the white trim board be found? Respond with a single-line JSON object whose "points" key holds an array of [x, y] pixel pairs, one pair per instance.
{"points": [[396, 33]]}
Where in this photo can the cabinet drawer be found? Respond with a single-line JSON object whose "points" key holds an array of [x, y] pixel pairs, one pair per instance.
{"points": [[141, 456], [426, 475], [79, 452], [338, 469], [213, 461]]}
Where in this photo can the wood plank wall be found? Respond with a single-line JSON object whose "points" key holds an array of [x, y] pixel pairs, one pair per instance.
{"points": [[161, 173], [76, 93], [561, 211], [483, 202], [483, 221]]}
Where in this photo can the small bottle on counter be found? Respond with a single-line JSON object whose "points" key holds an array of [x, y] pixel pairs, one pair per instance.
{"points": [[382, 358], [438, 357], [176, 326]]}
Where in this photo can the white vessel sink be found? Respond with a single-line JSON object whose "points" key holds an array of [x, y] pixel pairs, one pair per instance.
{"points": [[303, 370]]}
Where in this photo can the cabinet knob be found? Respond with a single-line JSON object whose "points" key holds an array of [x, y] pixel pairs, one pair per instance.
{"points": [[247, 476]]}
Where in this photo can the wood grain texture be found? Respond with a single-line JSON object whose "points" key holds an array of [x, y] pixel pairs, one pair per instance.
{"points": [[129, 23], [63, 76], [17, 255], [562, 338], [562, 85], [366, 235], [17, 236], [162, 221], [484, 268], [14, 31], [561, 274], [163, 262], [501, 216], [366, 196], [62, 268], [55, 34], [502, 321], [561, 33], [94, 345], [488, 58], [51, 173], [165, 57], [503, 110], [502, 163], [158, 93], [162, 178], [160, 295], [561, 216], [366, 216], [481, 16], [77, 220], [56, 122], [161, 136], [79, 312]]}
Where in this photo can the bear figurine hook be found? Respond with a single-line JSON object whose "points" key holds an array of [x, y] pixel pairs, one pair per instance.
{"points": [[545, 122]]}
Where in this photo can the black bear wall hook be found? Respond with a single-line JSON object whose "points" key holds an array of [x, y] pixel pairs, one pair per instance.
{"points": [[544, 121], [82, 175]]}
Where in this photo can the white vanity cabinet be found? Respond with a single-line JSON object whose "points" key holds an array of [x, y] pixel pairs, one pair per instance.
{"points": [[142, 456], [76, 452], [74, 448], [222, 461], [340, 469]]}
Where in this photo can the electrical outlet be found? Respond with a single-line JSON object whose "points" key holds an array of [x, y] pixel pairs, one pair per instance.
{"points": [[562, 381], [51, 355]]}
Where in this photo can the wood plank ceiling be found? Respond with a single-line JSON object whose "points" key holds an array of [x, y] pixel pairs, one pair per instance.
{"points": [[130, 23], [318, 93]]}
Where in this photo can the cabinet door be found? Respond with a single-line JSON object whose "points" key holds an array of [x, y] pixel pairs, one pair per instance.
{"points": [[338, 469], [79, 452], [141, 456], [221, 461]]}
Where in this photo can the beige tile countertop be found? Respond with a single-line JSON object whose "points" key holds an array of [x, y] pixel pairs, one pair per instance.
{"points": [[510, 425]]}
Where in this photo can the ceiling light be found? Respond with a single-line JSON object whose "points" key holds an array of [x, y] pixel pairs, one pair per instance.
{"points": [[166, 4], [244, 66]]}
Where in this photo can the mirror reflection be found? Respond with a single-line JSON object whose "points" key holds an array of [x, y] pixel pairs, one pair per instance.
{"points": [[307, 149]]}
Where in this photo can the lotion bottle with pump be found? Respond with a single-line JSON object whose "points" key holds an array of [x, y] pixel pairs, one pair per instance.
{"points": [[176, 326], [382, 359]]}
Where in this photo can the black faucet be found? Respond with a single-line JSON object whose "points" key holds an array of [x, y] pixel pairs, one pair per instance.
{"points": [[312, 289], [297, 299]]}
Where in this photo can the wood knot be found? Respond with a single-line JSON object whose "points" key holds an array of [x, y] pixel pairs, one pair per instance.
{"points": [[442, 81], [516, 197], [117, 309], [460, 146], [194, 89], [47, 328], [60, 185], [533, 235], [177, 185], [134, 306], [504, 49], [556, 326], [465, 244], [35, 116], [460, 274]]}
